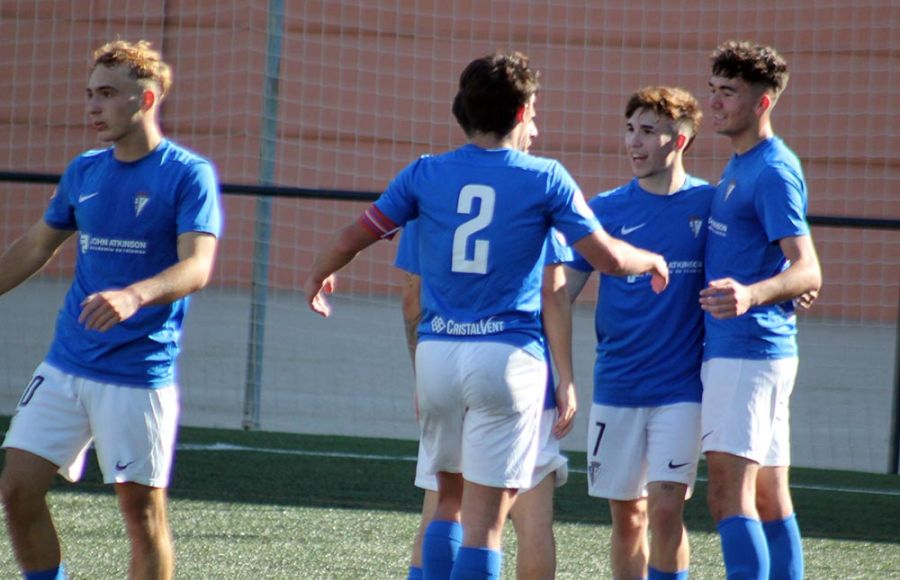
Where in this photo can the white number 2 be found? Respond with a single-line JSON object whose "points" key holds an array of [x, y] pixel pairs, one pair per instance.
{"points": [[478, 263]]}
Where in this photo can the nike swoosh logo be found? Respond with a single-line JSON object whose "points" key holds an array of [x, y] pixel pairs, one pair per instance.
{"points": [[121, 466], [677, 465], [627, 230], [86, 196]]}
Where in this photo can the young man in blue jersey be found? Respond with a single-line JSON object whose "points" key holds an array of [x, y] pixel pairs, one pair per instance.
{"points": [[147, 216], [759, 259], [532, 510], [484, 211], [644, 430]]}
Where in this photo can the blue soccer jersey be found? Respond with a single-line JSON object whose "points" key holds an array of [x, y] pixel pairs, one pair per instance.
{"points": [[650, 346], [128, 217], [557, 252], [760, 199], [483, 217]]}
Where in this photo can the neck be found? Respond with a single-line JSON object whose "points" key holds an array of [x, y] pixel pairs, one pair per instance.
{"points": [[747, 140], [138, 144], [491, 141], [666, 182]]}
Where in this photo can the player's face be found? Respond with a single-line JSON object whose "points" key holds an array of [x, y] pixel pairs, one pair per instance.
{"points": [[114, 103], [733, 105], [650, 141]]}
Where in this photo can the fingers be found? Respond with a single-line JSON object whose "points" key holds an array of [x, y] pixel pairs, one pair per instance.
{"points": [[98, 314], [319, 305], [564, 425]]}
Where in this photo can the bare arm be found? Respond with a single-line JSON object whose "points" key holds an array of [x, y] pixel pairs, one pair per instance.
{"points": [[611, 256], [727, 298], [28, 254], [575, 281], [196, 255], [350, 241], [412, 313], [556, 313]]}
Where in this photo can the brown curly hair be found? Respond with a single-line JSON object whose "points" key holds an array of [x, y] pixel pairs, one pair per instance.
{"points": [[143, 62], [673, 103]]}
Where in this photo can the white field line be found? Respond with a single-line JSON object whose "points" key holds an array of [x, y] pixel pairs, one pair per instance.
{"points": [[341, 455]]}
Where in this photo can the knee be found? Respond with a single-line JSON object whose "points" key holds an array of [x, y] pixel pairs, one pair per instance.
{"points": [[666, 517], [17, 494], [629, 519]]}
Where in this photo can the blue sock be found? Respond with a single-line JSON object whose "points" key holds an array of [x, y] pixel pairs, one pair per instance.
{"points": [[654, 574], [58, 573], [415, 573], [744, 548], [785, 548], [439, 548], [477, 564]]}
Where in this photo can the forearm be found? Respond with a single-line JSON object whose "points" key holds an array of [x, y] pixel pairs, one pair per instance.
{"points": [[177, 281], [612, 256], [801, 277], [557, 320], [412, 313], [344, 247], [28, 254]]}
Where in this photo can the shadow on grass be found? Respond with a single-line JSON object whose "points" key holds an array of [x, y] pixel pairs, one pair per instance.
{"points": [[262, 477]]}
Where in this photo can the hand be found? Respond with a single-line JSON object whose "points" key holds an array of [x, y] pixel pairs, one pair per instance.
{"points": [[103, 310], [805, 300], [659, 275], [315, 295], [566, 406], [726, 298]]}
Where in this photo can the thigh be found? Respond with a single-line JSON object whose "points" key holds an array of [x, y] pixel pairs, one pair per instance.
{"points": [[441, 407], [740, 399], [134, 432], [550, 460], [673, 443], [617, 452], [51, 421], [504, 394], [779, 452]]}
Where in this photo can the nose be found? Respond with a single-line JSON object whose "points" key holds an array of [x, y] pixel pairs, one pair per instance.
{"points": [[92, 105]]}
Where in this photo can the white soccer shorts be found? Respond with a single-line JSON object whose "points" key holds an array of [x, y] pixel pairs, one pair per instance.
{"points": [[629, 447], [746, 408], [133, 429], [550, 459], [479, 410]]}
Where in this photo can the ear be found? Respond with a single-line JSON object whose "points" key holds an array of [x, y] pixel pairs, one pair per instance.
{"points": [[148, 99], [765, 103], [520, 114], [681, 141]]}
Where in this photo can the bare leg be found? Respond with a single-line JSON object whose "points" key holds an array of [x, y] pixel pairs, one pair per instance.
{"points": [[773, 494], [429, 504], [144, 511], [532, 517], [669, 549], [628, 542], [484, 511], [24, 483], [732, 486]]}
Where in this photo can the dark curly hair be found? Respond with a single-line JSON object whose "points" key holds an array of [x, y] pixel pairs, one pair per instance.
{"points": [[756, 64], [492, 89]]}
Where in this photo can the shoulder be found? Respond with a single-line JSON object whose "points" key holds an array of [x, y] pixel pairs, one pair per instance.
{"points": [[178, 156], [696, 188], [610, 197]]}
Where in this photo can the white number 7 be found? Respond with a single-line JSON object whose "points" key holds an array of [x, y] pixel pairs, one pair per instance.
{"points": [[478, 263]]}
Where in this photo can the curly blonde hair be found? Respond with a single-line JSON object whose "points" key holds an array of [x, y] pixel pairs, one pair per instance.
{"points": [[143, 62]]}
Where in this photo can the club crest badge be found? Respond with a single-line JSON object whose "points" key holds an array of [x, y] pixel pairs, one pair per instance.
{"points": [[140, 202], [695, 223]]}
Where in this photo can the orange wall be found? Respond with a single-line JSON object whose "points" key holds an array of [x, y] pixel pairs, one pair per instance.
{"points": [[366, 87]]}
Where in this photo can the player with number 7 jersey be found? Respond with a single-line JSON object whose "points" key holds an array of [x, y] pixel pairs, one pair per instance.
{"points": [[483, 211]]}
